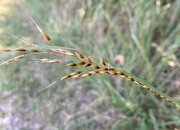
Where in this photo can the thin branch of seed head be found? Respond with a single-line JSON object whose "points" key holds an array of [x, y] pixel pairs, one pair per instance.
{"points": [[13, 59], [49, 61], [27, 43]]}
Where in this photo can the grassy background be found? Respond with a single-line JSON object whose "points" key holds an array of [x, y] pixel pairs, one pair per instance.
{"points": [[142, 36]]}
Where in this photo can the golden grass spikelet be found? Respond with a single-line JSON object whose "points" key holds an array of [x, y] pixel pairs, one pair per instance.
{"points": [[80, 63], [66, 77], [103, 69], [77, 76], [111, 69], [65, 52], [32, 51], [95, 67], [80, 56], [44, 60], [21, 49], [120, 73], [75, 73], [49, 61], [112, 72], [46, 36], [71, 64], [94, 72], [87, 59], [85, 75], [87, 65], [102, 61]]}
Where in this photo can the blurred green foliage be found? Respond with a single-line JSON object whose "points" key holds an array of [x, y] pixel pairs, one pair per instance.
{"points": [[144, 33]]}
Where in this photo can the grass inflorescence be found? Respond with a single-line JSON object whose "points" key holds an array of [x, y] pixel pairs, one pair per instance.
{"points": [[83, 62]]}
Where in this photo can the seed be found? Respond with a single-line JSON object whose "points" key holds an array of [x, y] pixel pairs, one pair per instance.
{"points": [[112, 72], [80, 63], [95, 67], [87, 65], [102, 61], [46, 36], [33, 51], [21, 50], [80, 56], [66, 77], [71, 64], [75, 73], [87, 59], [88, 74], [103, 69]]}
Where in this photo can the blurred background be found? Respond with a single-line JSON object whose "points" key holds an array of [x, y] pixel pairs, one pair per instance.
{"points": [[140, 36]]}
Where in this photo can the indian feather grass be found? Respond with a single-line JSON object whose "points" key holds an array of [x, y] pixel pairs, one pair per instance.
{"points": [[88, 65]]}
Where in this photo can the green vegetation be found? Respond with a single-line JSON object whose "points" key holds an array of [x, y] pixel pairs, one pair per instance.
{"points": [[142, 37]]}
